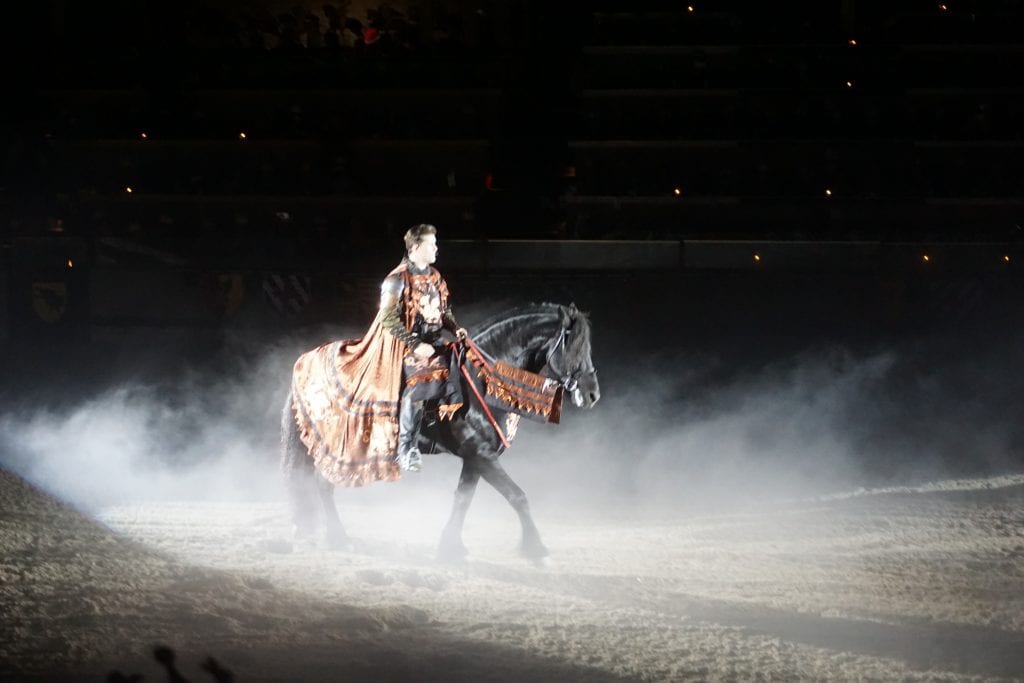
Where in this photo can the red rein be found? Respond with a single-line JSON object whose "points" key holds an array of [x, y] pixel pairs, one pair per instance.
{"points": [[472, 384]]}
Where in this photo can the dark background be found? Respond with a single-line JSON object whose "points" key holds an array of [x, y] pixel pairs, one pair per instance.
{"points": [[841, 144]]}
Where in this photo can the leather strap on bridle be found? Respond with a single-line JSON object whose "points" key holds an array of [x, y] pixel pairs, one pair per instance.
{"points": [[568, 380], [483, 404], [484, 357]]}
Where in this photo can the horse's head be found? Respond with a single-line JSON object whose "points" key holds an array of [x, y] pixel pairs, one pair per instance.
{"points": [[568, 358]]}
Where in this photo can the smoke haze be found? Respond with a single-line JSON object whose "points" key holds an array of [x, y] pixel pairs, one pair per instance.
{"points": [[673, 432]]}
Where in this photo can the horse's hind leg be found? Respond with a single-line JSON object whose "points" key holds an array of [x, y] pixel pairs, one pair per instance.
{"points": [[452, 548], [494, 474], [337, 538], [299, 474]]}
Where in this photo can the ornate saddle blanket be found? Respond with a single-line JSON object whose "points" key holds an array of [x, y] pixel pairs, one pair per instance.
{"points": [[512, 389], [345, 401]]}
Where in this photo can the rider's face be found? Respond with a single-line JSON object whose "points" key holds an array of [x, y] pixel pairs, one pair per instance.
{"points": [[425, 251]]}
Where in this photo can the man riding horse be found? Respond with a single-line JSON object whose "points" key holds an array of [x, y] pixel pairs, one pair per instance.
{"points": [[415, 307], [358, 403], [352, 415]]}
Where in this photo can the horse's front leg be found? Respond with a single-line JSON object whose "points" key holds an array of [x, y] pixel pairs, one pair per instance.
{"points": [[452, 549], [337, 538], [494, 474]]}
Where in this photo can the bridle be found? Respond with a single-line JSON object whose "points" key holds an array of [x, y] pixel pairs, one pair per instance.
{"points": [[569, 379]]}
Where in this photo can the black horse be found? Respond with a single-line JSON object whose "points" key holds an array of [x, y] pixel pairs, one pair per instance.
{"points": [[549, 339]]}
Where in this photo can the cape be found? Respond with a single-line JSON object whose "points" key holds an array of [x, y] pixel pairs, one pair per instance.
{"points": [[345, 398]]}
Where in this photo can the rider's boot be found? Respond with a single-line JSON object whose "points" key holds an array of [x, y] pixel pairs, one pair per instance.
{"points": [[409, 457]]}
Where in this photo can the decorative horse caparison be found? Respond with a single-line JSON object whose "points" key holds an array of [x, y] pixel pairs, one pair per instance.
{"points": [[549, 339]]}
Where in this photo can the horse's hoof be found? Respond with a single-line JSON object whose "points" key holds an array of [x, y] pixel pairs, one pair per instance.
{"points": [[280, 546], [452, 553], [341, 544], [534, 552], [452, 558]]}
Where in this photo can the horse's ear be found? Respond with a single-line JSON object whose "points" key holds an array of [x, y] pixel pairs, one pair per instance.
{"points": [[568, 315]]}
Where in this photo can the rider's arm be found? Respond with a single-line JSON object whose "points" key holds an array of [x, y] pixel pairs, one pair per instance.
{"points": [[448, 319], [394, 318]]}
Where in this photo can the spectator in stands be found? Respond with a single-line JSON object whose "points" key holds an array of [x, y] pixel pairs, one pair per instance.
{"points": [[312, 38], [335, 23]]}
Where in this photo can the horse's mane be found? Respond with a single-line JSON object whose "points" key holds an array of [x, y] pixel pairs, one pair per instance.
{"points": [[506, 323], [505, 319]]}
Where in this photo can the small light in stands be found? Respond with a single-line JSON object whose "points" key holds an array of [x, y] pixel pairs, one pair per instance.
{"points": [[128, 189], [828, 192], [1006, 258], [677, 192], [943, 7], [852, 42], [71, 264], [689, 8], [849, 84], [242, 136], [926, 258], [757, 258], [143, 136]]}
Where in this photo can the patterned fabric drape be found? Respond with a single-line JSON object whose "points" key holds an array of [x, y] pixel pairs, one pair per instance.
{"points": [[345, 396], [522, 392]]}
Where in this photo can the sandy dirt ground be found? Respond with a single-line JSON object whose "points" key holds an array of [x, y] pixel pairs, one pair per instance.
{"points": [[906, 584]]}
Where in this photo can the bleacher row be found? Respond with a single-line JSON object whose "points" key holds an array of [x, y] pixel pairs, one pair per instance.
{"points": [[850, 169], [664, 121]]}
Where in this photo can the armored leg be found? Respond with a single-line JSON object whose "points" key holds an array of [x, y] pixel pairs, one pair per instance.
{"points": [[409, 416]]}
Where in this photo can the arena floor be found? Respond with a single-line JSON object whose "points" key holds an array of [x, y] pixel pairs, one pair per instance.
{"points": [[922, 583]]}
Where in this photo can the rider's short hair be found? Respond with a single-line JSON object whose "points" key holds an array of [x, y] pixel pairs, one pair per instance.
{"points": [[416, 233]]}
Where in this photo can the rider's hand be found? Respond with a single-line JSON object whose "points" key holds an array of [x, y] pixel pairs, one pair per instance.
{"points": [[424, 350], [461, 334]]}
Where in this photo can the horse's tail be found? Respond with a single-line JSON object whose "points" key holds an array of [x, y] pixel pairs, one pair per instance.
{"points": [[298, 471]]}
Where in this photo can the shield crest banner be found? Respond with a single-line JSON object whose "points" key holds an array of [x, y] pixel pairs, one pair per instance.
{"points": [[49, 300]]}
